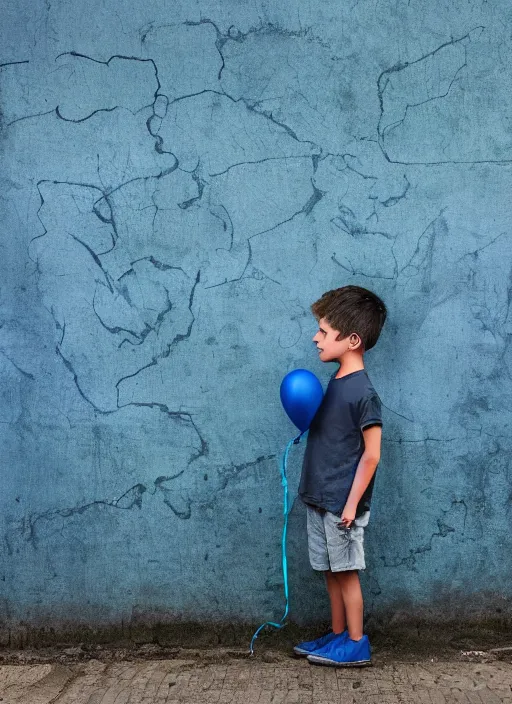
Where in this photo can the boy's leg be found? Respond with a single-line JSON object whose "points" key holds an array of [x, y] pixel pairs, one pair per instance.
{"points": [[346, 558], [319, 559], [352, 596], [338, 619], [353, 650]]}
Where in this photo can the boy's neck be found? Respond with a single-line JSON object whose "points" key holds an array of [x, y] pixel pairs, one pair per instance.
{"points": [[349, 364]]}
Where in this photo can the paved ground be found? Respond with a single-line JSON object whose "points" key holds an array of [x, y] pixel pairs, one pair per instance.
{"points": [[217, 677]]}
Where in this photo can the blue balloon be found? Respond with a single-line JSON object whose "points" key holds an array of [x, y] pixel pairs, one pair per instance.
{"points": [[301, 395]]}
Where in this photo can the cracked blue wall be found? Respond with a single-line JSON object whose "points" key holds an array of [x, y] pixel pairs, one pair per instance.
{"points": [[179, 182]]}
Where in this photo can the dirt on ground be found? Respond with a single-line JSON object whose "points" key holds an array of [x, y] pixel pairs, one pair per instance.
{"points": [[205, 646]]}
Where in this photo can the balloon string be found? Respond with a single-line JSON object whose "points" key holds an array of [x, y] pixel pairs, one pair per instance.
{"points": [[284, 483]]}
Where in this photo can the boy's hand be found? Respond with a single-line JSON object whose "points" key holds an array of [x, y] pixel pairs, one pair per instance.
{"points": [[348, 515]]}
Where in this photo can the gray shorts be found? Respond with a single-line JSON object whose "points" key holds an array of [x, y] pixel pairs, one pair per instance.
{"points": [[333, 547]]}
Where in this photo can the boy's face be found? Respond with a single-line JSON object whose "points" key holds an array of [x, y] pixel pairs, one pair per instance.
{"points": [[329, 348]]}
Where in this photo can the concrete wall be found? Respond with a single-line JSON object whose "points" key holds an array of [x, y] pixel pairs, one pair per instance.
{"points": [[179, 182]]}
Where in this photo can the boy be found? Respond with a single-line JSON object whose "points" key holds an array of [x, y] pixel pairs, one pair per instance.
{"points": [[342, 454]]}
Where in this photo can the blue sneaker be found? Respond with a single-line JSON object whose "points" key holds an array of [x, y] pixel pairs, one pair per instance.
{"points": [[347, 653], [311, 646]]}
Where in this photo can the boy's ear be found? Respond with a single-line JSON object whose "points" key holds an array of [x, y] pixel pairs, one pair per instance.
{"points": [[355, 341]]}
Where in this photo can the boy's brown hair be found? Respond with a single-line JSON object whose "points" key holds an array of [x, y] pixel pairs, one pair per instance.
{"points": [[352, 309]]}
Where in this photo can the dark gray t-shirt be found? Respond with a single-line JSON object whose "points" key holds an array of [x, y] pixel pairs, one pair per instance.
{"points": [[335, 443]]}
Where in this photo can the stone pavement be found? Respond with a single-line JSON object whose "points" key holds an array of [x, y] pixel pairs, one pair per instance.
{"points": [[240, 680]]}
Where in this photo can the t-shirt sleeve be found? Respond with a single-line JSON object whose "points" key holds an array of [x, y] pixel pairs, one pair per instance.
{"points": [[370, 411]]}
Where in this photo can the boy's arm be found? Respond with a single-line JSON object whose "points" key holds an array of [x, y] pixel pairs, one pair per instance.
{"points": [[364, 473]]}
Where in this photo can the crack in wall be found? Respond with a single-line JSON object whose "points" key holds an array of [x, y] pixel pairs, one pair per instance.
{"points": [[13, 63], [443, 530], [259, 161], [133, 498], [232, 471], [383, 81], [27, 525], [306, 209], [24, 373], [393, 200]]}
